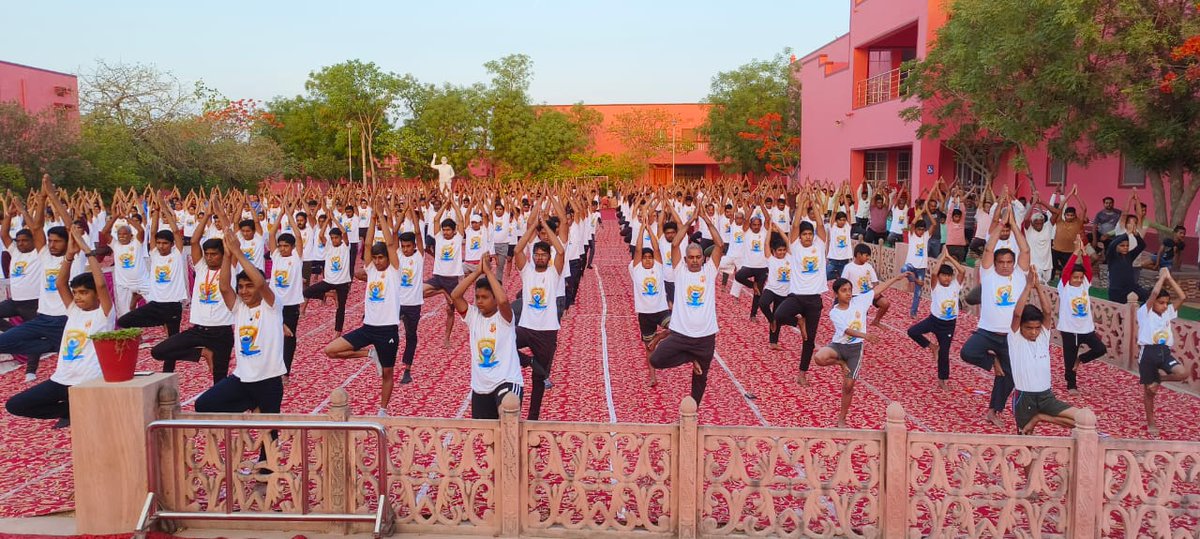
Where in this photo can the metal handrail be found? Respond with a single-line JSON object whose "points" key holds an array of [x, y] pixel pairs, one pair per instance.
{"points": [[381, 518], [880, 88]]}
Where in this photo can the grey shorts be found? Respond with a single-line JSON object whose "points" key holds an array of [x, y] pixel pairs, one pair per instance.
{"points": [[851, 354], [501, 249], [443, 282], [1027, 404]]}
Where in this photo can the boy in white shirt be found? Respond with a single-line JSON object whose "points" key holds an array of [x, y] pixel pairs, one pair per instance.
{"points": [[538, 326], [943, 314], [649, 298], [89, 310], [495, 368], [1029, 360], [1075, 321], [168, 279], [1155, 338]]}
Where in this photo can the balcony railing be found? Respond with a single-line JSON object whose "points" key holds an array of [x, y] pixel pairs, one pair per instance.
{"points": [[880, 88]]}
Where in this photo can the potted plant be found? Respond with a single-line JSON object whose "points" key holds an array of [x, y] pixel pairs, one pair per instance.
{"points": [[117, 351]]}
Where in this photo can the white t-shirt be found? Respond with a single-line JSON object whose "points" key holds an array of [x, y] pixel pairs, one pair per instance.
{"points": [[477, 244], [664, 248], [493, 351], [695, 311], [447, 254], [861, 276], [840, 247], [853, 317], [648, 296], [349, 224], [538, 292], [943, 300], [285, 273], [409, 278], [1039, 246], [129, 264], [999, 298], [253, 249], [1075, 308], [779, 275], [168, 277], [1155, 328], [49, 302], [77, 361], [899, 220], [918, 251], [1010, 243], [810, 268], [337, 264], [312, 251], [1030, 361], [208, 306], [500, 228], [754, 250], [381, 298], [24, 274], [259, 341]]}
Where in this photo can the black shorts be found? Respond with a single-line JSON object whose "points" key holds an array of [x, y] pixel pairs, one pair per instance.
{"points": [[1154, 358], [1028, 404], [313, 267], [487, 405], [669, 288], [443, 282], [385, 339], [650, 322]]}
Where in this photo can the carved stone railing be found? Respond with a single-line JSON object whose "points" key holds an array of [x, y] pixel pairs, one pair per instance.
{"points": [[512, 478]]}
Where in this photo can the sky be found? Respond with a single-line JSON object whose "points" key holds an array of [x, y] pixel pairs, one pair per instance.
{"points": [[615, 51]]}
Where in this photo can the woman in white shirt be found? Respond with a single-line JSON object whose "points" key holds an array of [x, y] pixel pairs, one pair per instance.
{"points": [[89, 310], [1156, 337]]}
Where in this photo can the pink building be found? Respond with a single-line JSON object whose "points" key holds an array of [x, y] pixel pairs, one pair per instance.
{"points": [[37, 89], [852, 128]]}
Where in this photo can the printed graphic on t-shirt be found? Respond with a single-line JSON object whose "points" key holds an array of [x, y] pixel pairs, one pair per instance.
{"points": [[52, 280], [1004, 296], [1079, 306], [808, 264], [209, 293], [407, 278], [375, 291], [650, 286], [695, 295], [448, 252], [162, 274], [785, 274], [335, 264], [947, 308], [127, 260], [841, 242], [248, 340], [282, 279], [73, 343], [487, 352], [18, 269], [537, 298], [864, 284], [1161, 336]]}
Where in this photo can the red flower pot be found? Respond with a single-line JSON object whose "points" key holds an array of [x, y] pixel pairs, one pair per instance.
{"points": [[118, 358]]}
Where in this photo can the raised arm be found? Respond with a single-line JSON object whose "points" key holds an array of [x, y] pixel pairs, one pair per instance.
{"points": [[457, 295], [1022, 301], [64, 271]]}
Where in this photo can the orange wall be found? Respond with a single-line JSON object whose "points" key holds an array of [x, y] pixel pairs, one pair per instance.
{"points": [[690, 116]]}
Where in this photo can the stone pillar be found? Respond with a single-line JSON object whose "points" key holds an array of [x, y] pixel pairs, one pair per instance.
{"points": [[108, 450], [895, 479], [338, 481], [508, 473], [1085, 488], [1130, 359], [689, 469]]}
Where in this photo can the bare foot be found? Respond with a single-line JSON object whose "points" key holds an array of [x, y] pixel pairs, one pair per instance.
{"points": [[802, 378], [1152, 430], [942, 385], [933, 349], [775, 346], [841, 423], [1073, 391], [697, 369], [994, 418]]}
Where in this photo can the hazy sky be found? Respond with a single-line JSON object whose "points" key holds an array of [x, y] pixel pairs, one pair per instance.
{"points": [[597, 52]]}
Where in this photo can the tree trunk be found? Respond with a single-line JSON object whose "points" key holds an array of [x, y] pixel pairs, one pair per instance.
{"points": [[1156, 191], [362, 150], [1185, 190]]}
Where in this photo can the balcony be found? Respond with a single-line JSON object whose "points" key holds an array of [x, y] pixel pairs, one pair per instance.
{"points": [[880, 88]]}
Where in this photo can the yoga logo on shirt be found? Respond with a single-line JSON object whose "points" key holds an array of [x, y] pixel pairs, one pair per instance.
{"points": [[407, 278], [855, 325], [248, 340], [1162, 336], [335, 264], [282, 279], [808, 264], [864, 284], [475, 243], [208, 293], [1079, 306], [948, 308], [19, 269], [487, 352], [52, 280], [1004, 296], [650, 287], [738, 237], [162, 274], [695, 295], [756, 246], [127, 260], [249, 252], [920, 249], [841, 242], [447, 252], [375, 291], [537, 298], [74, 341], [785, 273]]}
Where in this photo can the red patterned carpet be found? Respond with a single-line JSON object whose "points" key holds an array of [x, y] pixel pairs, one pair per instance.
{"points": [[599, 375]]}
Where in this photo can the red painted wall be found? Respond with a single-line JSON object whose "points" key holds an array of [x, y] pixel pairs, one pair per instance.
{"points": [[38, 89]]}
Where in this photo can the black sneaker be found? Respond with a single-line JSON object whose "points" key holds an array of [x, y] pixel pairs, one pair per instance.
{"points": [[407, 378], [548, 384], [62, 423]]}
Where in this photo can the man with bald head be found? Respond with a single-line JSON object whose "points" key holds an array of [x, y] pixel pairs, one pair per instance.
{"points": [[693, 329]]}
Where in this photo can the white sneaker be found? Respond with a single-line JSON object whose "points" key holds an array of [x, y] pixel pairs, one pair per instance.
{"points": [[29, 377], [383, 412], [375, 359]]}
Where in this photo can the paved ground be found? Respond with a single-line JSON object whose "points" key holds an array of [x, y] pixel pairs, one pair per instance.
{"points": [[600, 375]]}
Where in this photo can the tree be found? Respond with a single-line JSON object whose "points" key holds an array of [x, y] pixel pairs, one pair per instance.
{"points": [[649, 132], [509, 112], [137, 96], [779, 150], [313, 147], [750, 92], [37, 143], [357, 92], [551, 139], [448, 121]]}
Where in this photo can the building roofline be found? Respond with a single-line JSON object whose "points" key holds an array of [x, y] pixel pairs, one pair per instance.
{"points": [[812, 55], [39, 69], [619, 104]]}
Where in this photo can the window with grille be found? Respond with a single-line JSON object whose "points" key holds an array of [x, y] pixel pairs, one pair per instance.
{"points": [[1132, 174], [875, 167], [904, 166], [1057, 175]]}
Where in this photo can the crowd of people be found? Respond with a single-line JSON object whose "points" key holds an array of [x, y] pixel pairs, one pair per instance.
{"points": [[246, 265]]}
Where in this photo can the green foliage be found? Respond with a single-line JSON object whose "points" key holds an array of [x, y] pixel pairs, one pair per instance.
{"points": [[313, 147], [12, 178], [750, 92], [117, 335]]}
